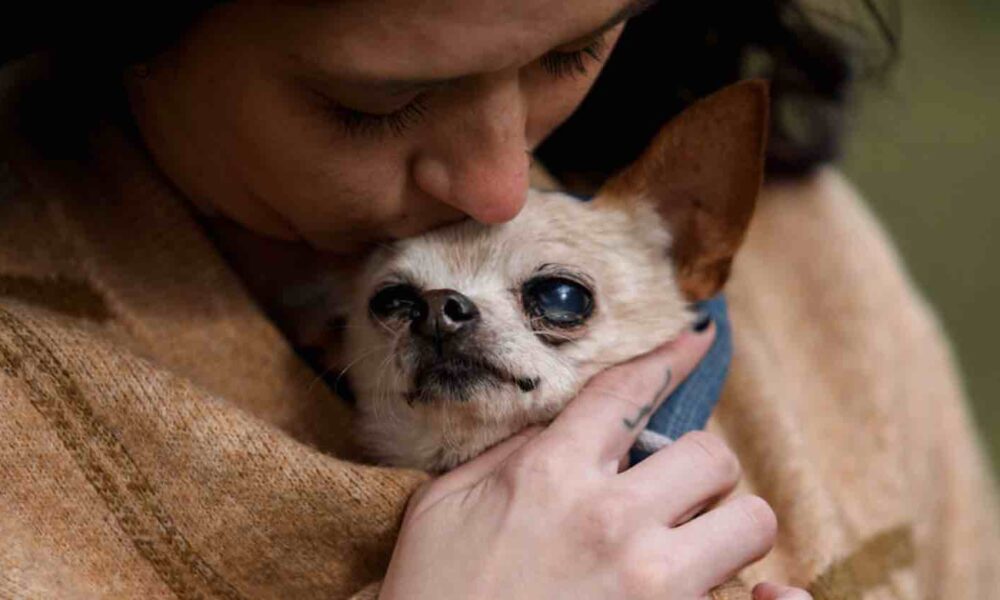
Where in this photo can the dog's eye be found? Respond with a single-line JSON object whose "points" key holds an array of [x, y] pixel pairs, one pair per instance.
{"points": [[559, 301], [399, 300]]}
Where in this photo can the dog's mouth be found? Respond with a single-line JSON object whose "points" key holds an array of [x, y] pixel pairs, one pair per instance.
{"points": [[461, 379]]}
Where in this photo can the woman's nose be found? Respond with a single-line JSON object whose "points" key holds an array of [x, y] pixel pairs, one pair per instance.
{"points": [[480, 161]]}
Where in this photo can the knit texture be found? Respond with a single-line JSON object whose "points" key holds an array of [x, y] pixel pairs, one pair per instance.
{"points": [[159, 438]]}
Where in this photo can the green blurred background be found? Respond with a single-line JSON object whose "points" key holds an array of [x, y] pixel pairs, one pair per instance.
{"points": [[925, 151]]}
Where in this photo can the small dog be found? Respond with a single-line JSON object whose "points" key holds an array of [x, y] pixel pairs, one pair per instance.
{"points": [[454, 340], [461, 337]]}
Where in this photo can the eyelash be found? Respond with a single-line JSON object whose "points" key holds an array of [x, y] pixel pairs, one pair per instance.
{"points": [[358, 123], [557, 64], [573, 64]]}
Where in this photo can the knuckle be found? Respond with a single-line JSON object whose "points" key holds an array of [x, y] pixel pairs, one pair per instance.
{"points": [[633, 384], [621, 392], [418, 495], [758, 518], [642, 578], [603, 522], [532, 468], [720, 458], [418, 499]]}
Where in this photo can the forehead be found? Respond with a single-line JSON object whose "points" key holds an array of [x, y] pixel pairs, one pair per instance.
{"points": [[441, 39]]}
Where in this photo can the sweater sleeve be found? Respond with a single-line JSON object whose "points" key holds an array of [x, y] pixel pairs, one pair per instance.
{"points": [[953, 490], [848, 411], [121, 479], [28, 572], [958, 530]]}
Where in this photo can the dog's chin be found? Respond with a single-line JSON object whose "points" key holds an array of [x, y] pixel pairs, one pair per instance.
{"points": [[462, 380], [454, 380]]}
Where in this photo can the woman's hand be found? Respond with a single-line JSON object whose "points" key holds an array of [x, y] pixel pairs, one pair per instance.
{"points": [[771, 591], [547, 514]]}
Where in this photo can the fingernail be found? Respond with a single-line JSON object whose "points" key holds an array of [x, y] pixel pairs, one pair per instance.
{"points": [[701, 322]]}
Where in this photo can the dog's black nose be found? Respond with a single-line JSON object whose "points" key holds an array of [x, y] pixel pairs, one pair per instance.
{"points": [[447, 312]]}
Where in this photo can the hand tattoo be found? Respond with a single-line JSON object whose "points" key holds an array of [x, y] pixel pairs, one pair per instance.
{"points": [[631, 424]]}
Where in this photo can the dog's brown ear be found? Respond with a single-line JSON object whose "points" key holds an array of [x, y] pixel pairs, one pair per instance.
{"points": [[703, 171]]}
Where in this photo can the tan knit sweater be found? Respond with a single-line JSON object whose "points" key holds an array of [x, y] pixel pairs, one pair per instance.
{"points": [[159, 439]]}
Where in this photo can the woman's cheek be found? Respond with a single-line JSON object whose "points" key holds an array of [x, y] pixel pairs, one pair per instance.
{"points": [[551, 100], [549, 106]]}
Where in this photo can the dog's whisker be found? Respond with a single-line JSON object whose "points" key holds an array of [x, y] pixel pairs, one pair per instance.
{"points": [[553, 334], [349, 327], [382, 383], [361, 357], [386, 327], [322, 374]]}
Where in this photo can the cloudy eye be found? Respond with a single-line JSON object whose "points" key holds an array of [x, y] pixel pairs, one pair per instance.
{"points": [[400, 301], [559, 301]]}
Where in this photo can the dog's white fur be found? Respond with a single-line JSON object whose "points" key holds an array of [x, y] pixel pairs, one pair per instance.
{"points": [[621, 247], [698, 179]]}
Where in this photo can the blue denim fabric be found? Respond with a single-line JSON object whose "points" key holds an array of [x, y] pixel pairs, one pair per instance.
{"points": [[690, 405]]}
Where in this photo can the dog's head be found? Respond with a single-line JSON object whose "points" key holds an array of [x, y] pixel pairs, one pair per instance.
{"points": [[456, 339]]}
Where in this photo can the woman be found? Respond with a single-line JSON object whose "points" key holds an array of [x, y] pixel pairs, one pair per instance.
{"points": [[163, 439]]}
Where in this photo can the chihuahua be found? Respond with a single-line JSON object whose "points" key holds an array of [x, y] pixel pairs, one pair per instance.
{"points": [[456, 339]]}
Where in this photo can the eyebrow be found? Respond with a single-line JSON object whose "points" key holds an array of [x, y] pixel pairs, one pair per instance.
{"points": [[403, 86]]}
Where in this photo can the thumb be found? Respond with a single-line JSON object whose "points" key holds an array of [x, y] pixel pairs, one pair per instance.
{"points": [[468, 474], [773, 591]]}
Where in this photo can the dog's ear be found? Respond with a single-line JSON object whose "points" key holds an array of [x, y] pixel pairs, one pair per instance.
{"points": [[703, 171]]}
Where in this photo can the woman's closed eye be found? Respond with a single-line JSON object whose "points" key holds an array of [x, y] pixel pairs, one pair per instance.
{"points": [[560, 63], [365, 124], [572, 63]]}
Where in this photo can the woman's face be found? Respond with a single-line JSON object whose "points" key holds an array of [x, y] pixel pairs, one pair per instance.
{"points": [[345, 123]]}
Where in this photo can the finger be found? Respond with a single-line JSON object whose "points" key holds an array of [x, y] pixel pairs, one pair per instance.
{"points": [[615, 405], [773, 591], [714, 546], [478, 468], [681, 479]]}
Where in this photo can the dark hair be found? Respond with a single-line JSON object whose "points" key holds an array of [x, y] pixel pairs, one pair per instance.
{"points": [[678, 52], [668, 56], [87, 47]]}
